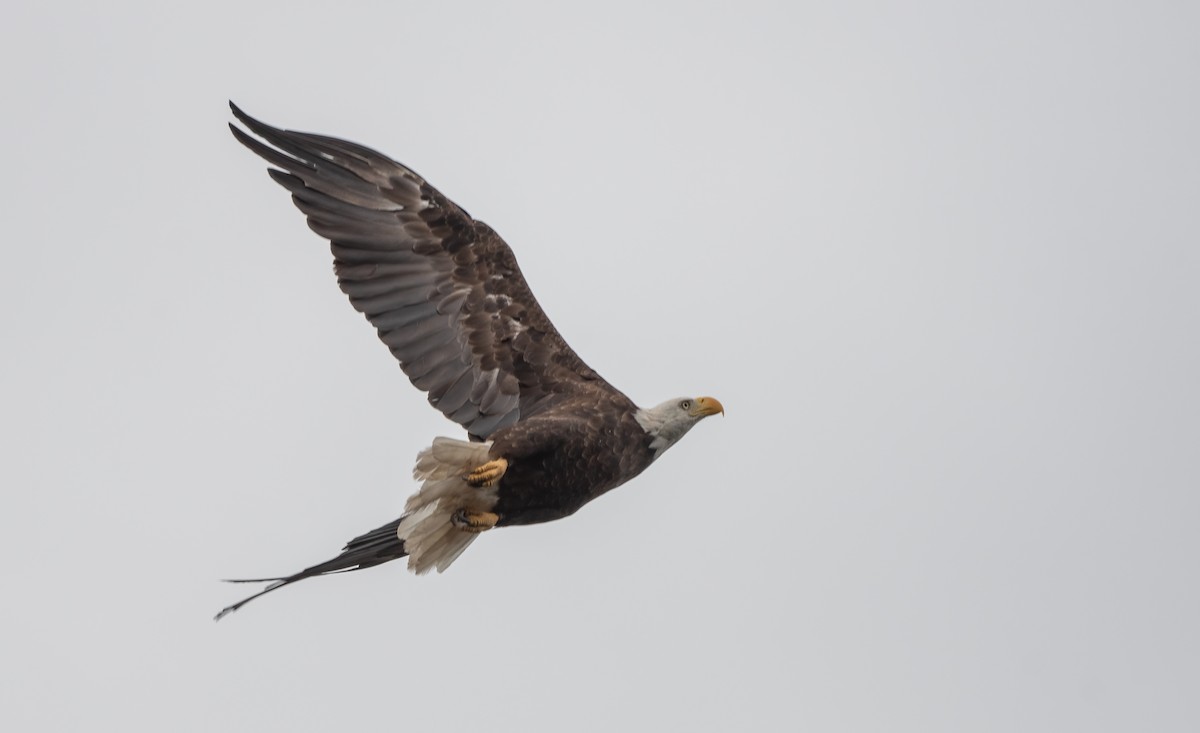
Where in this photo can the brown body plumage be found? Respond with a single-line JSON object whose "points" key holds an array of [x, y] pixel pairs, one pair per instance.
{"points": [[567, 456]]}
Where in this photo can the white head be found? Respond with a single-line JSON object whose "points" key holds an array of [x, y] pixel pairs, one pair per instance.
{"points": [[671, 420]]}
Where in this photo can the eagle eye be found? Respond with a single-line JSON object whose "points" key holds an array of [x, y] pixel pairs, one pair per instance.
{"points": [[686, 404]]}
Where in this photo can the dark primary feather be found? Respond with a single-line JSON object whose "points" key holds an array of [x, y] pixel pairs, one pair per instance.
{"points": [[373, 548], [443, 290]]}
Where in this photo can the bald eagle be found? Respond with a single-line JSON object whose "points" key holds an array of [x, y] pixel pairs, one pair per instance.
{"points": [[546, 434]]}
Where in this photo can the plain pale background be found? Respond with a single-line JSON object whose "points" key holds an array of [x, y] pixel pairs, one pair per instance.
{"points": [[939, 261]]}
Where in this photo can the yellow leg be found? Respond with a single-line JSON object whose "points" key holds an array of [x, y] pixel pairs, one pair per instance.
{"points": [[487, 474], [475, 523]]}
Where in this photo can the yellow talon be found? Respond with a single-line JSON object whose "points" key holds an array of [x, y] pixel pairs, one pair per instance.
{"points": [[487, 474], [475, 523]]}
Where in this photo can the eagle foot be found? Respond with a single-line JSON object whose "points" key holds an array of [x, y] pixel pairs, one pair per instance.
{"points": [[474, 523], [487, 474]]}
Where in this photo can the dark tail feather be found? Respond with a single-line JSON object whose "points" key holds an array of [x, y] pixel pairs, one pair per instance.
{"points": [[373, 548]]}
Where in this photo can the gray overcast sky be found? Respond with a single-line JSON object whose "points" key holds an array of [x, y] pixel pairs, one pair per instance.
{"points": [[939, 260]]}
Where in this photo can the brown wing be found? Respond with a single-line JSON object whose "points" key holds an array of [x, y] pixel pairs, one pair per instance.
{"points": [[443, 290]]}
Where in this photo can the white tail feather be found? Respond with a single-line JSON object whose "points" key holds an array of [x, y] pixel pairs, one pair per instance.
{"points": [[448, 457], [430, 537]]}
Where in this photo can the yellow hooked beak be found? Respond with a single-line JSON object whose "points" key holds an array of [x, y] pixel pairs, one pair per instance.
{"points": [[706, 406]]}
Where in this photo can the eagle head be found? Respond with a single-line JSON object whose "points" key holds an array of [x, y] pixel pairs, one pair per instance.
{"points": [[669, 421]]}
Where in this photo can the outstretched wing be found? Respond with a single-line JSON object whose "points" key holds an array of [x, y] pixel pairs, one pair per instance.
{"points": [[443, 290]]}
